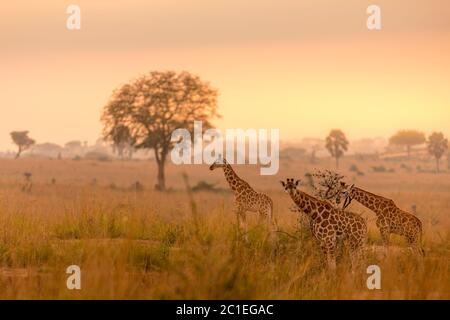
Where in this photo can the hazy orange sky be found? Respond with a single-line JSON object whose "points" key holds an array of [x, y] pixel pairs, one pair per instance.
{"points": [[301, 66]]}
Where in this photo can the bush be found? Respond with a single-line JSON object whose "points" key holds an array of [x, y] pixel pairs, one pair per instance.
{"points": [[99, 156], [205, 186], [354, 168], [379, 168], [137, 186]]}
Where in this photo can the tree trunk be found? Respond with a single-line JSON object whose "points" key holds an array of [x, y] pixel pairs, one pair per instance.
{"points": [[337, 162], [437, 165], [161, 178], [18, 153], [408, 151], [161, 186]]}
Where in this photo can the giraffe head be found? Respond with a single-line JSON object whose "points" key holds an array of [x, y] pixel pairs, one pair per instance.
{"points": [[219, 163], [344, 192], [290, 186]]}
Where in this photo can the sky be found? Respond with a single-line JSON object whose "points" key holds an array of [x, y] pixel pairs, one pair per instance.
{"points": [[304, 67]]}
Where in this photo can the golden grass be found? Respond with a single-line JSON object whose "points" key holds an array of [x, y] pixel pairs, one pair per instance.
{"points": [[150, 245]]}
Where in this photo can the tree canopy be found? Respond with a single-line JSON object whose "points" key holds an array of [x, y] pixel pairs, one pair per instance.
{"points": [[22, 140], [336, 143], [407, 138]]}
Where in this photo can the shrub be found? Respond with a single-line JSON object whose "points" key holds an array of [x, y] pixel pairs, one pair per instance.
{"points": [[205, 186], [379, 168], [98, 156]]}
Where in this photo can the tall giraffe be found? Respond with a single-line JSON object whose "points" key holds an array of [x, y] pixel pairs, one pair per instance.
{"points": [[390, 218], [329, 224], [246, 198]]}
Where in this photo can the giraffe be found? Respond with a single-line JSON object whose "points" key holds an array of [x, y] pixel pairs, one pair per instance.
{"points": [[329, 224], [390, 218], [246, 198]]}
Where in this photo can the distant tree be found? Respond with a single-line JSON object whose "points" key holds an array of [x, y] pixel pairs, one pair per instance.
{"points": [[122, 140], [47, 148], [22, 140], [313, 156], [336, 143], [407, 138], [437, 146], [73, 144], [156, 104]]}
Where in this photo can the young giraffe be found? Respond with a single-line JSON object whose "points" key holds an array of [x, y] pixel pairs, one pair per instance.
{"points": [[329, 224], [390, 218], [246, 198]]}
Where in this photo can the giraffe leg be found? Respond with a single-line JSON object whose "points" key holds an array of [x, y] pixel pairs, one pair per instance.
{"points": [[385, 239], [241, 221], [264, 220], [355, 248], [331, 260], [415, 245], [266, 216], [272, 225], [417, 236], [383, 226], [328, 249], [416, 248], [270, 220], [384, 231]]}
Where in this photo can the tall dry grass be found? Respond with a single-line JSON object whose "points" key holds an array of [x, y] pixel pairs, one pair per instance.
{"points": [[134, 244]]}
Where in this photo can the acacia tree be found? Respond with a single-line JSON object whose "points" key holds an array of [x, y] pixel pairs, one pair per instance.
{"points": [[122, 141], [336, 143], [437, 146], [407, 138], [156, 104], [22, 140]]}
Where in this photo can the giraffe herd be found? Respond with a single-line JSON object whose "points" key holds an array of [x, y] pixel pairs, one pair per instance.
{"points": [[328, 223]]}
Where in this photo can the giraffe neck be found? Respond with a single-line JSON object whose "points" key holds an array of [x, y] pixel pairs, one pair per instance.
{"points": [[371, 201], [306, 203], [232, 178]]}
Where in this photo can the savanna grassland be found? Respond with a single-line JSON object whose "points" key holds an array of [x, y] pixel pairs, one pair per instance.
{"points": [[132, 242]]}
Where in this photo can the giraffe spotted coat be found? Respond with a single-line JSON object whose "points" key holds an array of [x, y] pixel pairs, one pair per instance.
{"points": [[329, 224], [246, 198]]}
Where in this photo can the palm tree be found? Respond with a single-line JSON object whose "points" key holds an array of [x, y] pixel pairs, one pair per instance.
{"points": [[437, 146], [336, 143]]}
